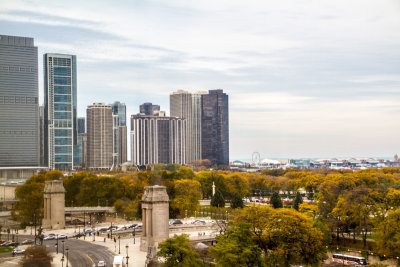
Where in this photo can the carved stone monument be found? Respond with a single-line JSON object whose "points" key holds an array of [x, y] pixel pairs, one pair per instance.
{"points": [[54, 205], [155, 216]]}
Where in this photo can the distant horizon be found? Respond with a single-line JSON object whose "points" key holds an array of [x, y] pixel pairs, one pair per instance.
{"points": [[310, 158]]}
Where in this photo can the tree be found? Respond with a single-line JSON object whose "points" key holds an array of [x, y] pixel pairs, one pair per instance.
{"points": [[178, 252], [276, 200], [187, 196], [236, 201], [217, 199], [36, 256], [389, 234], [29, 209], [236, 248], [297, 201]]}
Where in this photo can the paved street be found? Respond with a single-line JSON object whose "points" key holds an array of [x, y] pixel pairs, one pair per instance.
{"points": [[82, 253]]}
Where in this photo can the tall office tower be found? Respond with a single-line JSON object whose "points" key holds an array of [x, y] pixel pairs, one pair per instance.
{"points": [[82, 148], [119, 109], [149, 109], [81, 125], [188, 106], [19, 109], [115, 141], [60, 129], [215, 127], [99, 136], [157, 139], [41, 135]]}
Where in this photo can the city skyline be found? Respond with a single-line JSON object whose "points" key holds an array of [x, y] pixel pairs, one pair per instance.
{"points": [[304, 79]]}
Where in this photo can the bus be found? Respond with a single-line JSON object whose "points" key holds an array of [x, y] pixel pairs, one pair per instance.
{"points": [[349, 260]]}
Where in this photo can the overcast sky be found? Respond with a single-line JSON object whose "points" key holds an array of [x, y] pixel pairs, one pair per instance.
{"points": [[304, 78]]}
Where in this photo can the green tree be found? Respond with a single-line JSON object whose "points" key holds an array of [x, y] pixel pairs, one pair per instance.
{"points": [[297, 201], [217, 199], [236, 201], [29, 209], [276, 200], [36, 256], [187, 196], [236, 248], [177, 252]]}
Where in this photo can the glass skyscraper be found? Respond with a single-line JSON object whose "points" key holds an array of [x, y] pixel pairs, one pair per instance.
{"points": [[19, 108], [60, 111]]}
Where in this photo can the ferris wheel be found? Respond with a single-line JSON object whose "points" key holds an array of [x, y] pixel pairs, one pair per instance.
{"points": [[256, 158]]}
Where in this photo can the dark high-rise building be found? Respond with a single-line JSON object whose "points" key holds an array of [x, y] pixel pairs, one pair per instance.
{"points": [[215, 127], [41, 123], [60, 111], [19, 108], [149, 109], [156, 139], [81, 125]]}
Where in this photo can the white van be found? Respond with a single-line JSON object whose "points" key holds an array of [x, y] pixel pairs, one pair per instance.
{"points": [[118, 261]]}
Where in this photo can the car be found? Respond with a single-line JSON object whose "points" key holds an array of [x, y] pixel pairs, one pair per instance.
{"points": [[103, 229], [139, 226], [132, 226], [50, 237], [27, 241], [6, 244], [62, 236], [101, 264], [77, 235], [176, 222], [199, 222], [121, 228], [18, 251]]}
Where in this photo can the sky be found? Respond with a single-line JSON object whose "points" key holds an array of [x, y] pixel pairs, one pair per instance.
{"points": [[313, 79]]}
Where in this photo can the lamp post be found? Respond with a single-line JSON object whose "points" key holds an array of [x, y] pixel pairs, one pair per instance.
{"points": [[127, 257], [67, 257], [119, 244], [134, 235], [63, 247], [57, 244], [62, 262]]}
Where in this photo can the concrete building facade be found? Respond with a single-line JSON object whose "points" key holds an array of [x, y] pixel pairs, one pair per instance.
{"points": [[19, 108], [157, 139], [99, 136]]}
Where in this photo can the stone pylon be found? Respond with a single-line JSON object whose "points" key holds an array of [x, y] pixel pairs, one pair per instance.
{"points": [[155, 216], [54, 205]]}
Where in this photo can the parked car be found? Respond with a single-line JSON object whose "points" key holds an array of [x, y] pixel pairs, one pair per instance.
{"points": [[101, 264], [62, 236], [121, 228], [50, 237], [18, 251], [139, 226], [132, 226], [198, 222], [77, 235], [27, 241], [176, 222], [6, 244], [103, 229]]}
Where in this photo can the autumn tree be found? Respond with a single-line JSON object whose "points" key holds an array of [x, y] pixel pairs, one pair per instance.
{"points": [[236, 248], [177, 252], [389, 234], [276, 200], [217, 199], [36, 256], [187, 196]]}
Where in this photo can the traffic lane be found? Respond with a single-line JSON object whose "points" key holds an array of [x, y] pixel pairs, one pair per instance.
{"points": [[82, 253]]}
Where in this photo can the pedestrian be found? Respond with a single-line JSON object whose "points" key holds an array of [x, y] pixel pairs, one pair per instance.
{"points": [[104, 240]]}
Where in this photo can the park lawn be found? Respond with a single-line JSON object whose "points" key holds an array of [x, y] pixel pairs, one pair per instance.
{"points": [[5, 249]]}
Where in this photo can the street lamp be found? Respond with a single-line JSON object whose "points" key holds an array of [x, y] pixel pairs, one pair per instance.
{"points": [[62, 262], [57, 244], [127, 257], [63, 247], [119, 244], [67, 256]]}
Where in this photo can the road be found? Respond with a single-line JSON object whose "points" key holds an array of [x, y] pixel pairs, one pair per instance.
{"points": [[81, 253]]}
